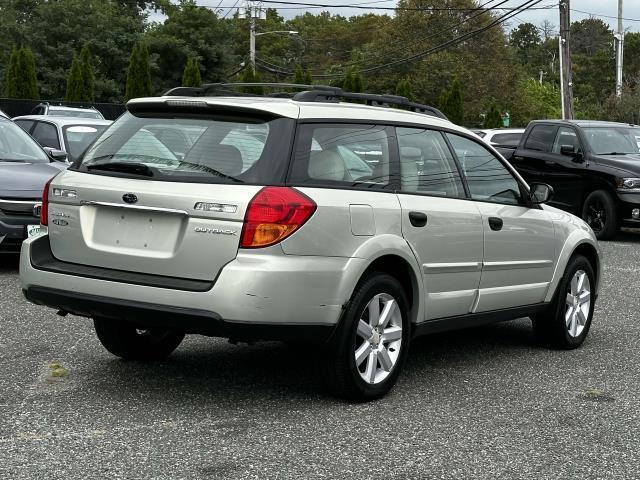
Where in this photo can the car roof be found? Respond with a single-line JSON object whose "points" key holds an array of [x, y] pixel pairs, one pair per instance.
{"points": [[587, 123], [64, 107], [64, 121], [286, 107]]}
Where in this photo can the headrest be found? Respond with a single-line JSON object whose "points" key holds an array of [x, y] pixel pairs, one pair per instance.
{"points": [[226, 159], [326, 165]]}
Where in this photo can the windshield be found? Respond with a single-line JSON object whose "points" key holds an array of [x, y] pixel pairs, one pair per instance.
{"points": [[61, 112], [201, 149], [78, 137], [17, 146], [613, 140]]}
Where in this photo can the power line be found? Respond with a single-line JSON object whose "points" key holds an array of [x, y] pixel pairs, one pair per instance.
{"points": [[363, 7], [524, 6], [604, 16]]}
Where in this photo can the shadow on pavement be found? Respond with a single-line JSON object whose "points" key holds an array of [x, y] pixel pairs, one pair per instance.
{"points": [[9, 262], [230, 375]]}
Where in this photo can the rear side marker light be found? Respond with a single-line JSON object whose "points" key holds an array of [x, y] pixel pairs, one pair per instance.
{"points": [[273, 215]]}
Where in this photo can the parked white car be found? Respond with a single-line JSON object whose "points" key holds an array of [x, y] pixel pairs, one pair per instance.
{"points": [[69, 134]]}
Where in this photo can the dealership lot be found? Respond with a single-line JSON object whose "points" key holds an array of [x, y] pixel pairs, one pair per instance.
{"points": [[481, 403]]}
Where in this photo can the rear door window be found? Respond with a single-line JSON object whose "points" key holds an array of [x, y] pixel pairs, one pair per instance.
{"points": [[541, 138], [25, 124], [46, 134], [426, 164], [344, 155]]}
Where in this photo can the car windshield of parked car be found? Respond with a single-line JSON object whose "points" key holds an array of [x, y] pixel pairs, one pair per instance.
{"points": [[192, 149], [75, 113], [17, 146], [613, 140], [78, 137]]}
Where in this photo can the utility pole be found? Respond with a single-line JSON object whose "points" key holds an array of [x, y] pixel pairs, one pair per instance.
{"points": [[255, 11], [619, 51], [566, 83]]}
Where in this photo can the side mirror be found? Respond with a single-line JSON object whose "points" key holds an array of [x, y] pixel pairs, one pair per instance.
{"points": [[540, 193], [573, 152], [55, 154]]}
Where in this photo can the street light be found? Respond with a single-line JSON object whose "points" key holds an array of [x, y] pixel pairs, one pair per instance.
{"points": [[252, 41]]}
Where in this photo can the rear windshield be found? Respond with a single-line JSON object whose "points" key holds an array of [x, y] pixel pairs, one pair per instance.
{"points": [[60, 112], [17, 146], [78, 137], [193, 149]]}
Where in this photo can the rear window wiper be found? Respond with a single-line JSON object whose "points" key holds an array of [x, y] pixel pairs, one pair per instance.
{"points": [[613, 153], [212, 171], [124, 167]]}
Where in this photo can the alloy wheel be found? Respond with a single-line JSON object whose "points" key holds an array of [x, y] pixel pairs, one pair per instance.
{"points": [[378, 339], [578, 303], [596, 215]]}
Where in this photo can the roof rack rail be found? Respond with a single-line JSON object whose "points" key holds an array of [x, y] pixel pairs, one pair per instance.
{"points": [[310, 93]]}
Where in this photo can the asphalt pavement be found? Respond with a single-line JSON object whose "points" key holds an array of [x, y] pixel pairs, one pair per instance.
{"points": [[485, 403]]}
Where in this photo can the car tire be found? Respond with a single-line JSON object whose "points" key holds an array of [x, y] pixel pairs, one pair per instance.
{"points": [[128, 341], [566, 323], [599, 211], [365, 355]]}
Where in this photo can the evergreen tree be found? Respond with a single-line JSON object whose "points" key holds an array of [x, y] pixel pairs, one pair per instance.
{"points": [[298, 77], [455, 111], [348, 82], [87, 75], [358, 83], [249, 76], [11, 89], [308, 80], [191, 76], [493, 118], [27, 79], [138, 74], [403, 88], [75, 85], [450, 102]]}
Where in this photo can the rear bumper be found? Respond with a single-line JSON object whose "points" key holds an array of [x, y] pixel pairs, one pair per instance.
{"points": [[185, 319], [13, 231], [257, 289]]}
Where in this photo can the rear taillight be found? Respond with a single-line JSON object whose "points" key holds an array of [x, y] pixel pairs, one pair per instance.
{"points": [[44, 211], [274, 214]]}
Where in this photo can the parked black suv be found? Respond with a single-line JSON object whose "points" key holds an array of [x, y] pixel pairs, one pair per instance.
{"points": [[594, 168]]}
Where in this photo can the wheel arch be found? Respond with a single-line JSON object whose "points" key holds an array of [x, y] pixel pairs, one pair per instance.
{"points": [[397, 260], [576, 243]]}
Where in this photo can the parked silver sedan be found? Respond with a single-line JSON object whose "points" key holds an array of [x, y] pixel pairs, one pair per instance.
{"points": [[69, 134]]}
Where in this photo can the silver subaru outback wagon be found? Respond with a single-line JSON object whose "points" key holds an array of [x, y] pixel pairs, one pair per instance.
{"points": [[353, 226]]}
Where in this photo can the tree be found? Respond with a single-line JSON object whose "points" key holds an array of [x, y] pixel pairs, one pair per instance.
{"points": [[493, 118], [191, 76], [348, 83], [190, 31], [87, 75], [28, 81], [75, 84], [298, 77], [358, 83], [450, 102], [11, 83], [525, 39], [308, 80], [403, 88], [249, 76], [138, 76], [55, 29]]}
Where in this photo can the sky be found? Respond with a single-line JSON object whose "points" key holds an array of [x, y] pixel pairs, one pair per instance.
{"points": [[598, 8]]}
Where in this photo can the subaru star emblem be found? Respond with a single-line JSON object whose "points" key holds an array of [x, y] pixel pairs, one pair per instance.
{"points": [[130, 198]]}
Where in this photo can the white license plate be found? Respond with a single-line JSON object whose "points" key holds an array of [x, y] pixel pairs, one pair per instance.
{"points": [[33, 230]]}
